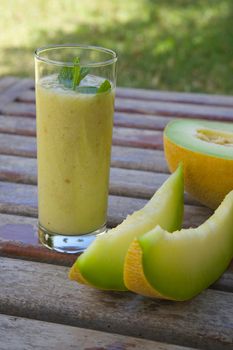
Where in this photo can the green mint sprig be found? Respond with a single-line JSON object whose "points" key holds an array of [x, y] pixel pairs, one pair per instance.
{"points": [[71, 77], [76, 73]]}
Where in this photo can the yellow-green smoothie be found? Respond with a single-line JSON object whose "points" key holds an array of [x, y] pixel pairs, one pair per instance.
{"points": [[74, 133]]}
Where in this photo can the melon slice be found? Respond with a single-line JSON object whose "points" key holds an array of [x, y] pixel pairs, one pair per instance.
{"points": [[206, 150], [101, 265], [180, 265]]}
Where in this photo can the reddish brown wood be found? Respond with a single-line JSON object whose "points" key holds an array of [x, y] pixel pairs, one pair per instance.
{"points": [[34, 251], [18, 238]]}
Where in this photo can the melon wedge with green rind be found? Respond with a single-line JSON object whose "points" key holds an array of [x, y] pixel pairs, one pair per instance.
{"points": [[101, 265], [182, 264]]}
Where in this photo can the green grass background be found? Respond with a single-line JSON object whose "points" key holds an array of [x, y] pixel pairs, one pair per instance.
{"points": [[183, 45]]}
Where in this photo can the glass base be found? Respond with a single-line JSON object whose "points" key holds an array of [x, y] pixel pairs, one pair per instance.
{"points": [[67, 244]]}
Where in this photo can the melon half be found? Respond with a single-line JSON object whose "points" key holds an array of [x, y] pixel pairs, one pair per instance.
{"points": [[206, 150]]}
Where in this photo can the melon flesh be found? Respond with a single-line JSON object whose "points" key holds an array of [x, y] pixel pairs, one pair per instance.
{"points": [[206, 150], [182, 264], [101, 265]]}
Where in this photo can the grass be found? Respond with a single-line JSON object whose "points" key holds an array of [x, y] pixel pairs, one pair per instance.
{"points": [[181, 45]]}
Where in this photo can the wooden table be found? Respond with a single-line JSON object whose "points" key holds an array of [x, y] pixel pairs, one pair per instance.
{"points": [[39, 307]]}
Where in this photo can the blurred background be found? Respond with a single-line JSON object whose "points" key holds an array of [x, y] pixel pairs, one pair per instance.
{"points": [[181, 45]]}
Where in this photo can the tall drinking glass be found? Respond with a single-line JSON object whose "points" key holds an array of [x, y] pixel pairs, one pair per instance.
{"points": [[75, 87]]}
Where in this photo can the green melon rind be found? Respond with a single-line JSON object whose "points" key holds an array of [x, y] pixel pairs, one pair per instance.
{"points": [[183, 133], [182, 264]]}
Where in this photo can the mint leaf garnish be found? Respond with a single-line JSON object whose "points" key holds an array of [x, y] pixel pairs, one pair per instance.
{"points": [[104, 87], [83, 72], [71, 77], [65, 76]]}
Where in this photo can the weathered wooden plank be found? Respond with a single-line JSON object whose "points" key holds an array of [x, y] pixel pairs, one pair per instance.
{"points": [[141, 121], [225, 283], [142, 184], [171, 96], [18, 169], [21, 109], [139, 159], [152, 139], [155, 95], [25, 334], [44, 292], [17, 125], [10, 94], [21, 199], [7, 82], [18, 145], [27, 96], [18, 229], [174, 109]]}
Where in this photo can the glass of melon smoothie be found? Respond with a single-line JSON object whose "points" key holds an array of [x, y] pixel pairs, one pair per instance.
{"points": [[75, 87]]}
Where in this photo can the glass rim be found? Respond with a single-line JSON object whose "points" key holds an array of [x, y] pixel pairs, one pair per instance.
{"points": [[39, 50]]}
